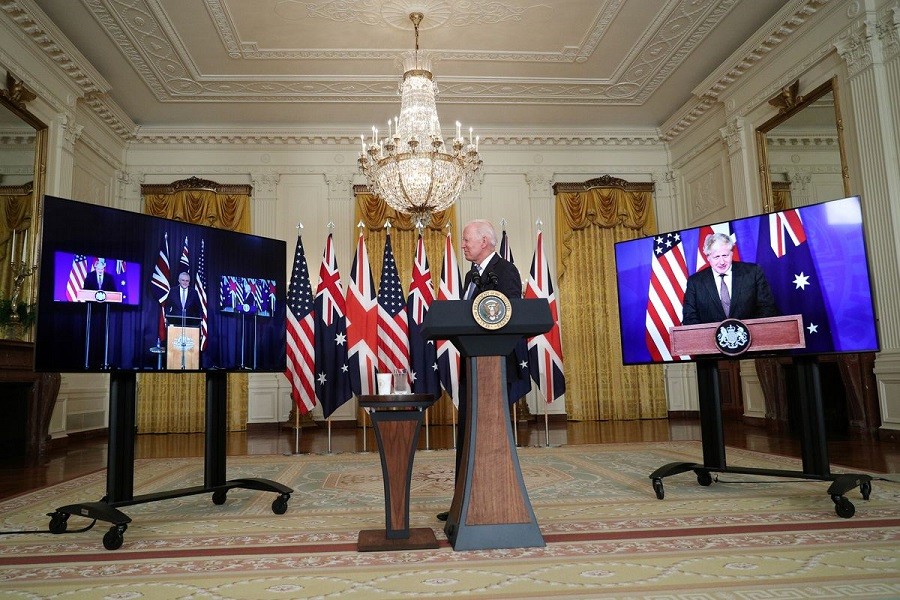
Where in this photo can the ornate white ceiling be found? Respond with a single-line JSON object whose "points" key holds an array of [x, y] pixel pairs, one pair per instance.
{"points": [[320, 64]]}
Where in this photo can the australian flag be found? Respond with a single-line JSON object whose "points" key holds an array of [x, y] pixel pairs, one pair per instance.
{"points": [[422, 352], [785, 257], [332, 371]]}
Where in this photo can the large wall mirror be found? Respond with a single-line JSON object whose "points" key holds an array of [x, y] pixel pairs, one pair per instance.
{"points": [[23, 149], [801, 150]]}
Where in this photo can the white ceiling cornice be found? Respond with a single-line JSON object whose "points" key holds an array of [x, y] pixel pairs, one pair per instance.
{"points": [[776, 31]]}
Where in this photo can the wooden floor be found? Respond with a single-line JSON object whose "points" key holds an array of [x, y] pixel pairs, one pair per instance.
{"points": [[89, 454]]}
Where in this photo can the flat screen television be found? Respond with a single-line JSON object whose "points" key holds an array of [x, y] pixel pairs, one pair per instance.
{"points": [[813, 258], [109, 296]]}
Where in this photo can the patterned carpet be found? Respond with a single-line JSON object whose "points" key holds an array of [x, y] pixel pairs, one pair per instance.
{"points": [[607, 534]]}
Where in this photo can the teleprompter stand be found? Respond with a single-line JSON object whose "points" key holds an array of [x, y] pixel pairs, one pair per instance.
{"points": [[768, 334], [490, 506], [120, 462]]}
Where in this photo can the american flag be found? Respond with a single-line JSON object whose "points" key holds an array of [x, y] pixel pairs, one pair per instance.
{"points": [[668, 281], [705, 232], [159, 282], [332, 370], [423, 356], [393, 329], [76, 277], [300, 334], [200, 287], [362, 323], [518, 383], [447, 354], [545, 358]]}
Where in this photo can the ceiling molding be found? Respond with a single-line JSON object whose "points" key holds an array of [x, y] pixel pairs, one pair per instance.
{"points": [[782, 26], [291, 136]]}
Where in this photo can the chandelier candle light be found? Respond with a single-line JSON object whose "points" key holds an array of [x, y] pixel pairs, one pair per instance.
{"points": [[411, 169]]}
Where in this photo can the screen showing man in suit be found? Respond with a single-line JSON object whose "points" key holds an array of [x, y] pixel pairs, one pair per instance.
{"points": [[727, 289], [98, 279]]}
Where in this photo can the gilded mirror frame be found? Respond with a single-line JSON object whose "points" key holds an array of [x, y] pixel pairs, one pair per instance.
{"points": [[15, 98], [789, 103]]}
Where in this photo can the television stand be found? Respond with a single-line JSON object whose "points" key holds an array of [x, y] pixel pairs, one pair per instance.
{"points": [[120, 462], [814, 447]]}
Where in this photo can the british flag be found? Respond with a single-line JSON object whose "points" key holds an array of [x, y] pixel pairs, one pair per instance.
{"points": [[665, 301], [301, 350], [393, 328], [362, 323], [200, 287], [160, 285], [545, 358], [76, 277], [447, 355], [332, 370], [422, 353]]}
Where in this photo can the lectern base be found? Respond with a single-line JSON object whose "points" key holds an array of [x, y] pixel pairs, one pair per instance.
{"points": [[376, 540], [491, 537]]}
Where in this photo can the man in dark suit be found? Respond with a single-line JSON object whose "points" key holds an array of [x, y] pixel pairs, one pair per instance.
{"points": [[736, 290], [184, 300], [489, 271], [97, 279]]}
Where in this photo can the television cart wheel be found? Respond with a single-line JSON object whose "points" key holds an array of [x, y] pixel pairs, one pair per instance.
{"points": [[218, 497], [279, 504], [658, 488], [113, 539], [843, 507], [703, 477], [58, 522]]}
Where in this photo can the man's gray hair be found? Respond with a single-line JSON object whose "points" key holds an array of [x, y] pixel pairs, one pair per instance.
{"points": [[717, 238], [485, 229]]}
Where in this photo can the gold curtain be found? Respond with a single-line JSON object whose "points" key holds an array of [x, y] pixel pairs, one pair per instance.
{"points": [[373, 213], [175, 403], [590, 218], [15, 215]]}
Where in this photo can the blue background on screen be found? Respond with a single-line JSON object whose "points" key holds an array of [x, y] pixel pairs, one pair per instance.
{"points": [[837, 246]]}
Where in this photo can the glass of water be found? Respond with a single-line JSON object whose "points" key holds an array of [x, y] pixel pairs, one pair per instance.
{"points": [[401, 382]]}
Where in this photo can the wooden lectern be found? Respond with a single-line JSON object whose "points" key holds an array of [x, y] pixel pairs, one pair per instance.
{"points": [[766, 335], [490, 506], [397, 420], [182, 343]]}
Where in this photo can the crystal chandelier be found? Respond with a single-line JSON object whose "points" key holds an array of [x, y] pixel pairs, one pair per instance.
{"points": [[411, 168]]}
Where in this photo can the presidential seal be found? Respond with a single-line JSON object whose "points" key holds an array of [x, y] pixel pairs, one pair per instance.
{"points": [[100, 296], [491, 309], [732, 337]]}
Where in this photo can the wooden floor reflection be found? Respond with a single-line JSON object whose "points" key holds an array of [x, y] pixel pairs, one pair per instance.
{"points": [[86, 455]]}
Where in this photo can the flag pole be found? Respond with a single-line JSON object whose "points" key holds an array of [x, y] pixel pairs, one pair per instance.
{"points": [[546, 425], [329, 434], [296, 430]]}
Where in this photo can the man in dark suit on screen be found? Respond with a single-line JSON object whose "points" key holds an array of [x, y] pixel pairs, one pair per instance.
{"points": [[184, 300], [736, 290], [489, 271], [99, 279]]}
